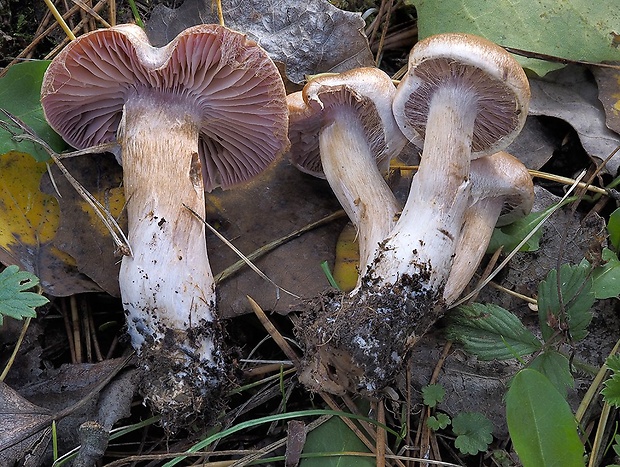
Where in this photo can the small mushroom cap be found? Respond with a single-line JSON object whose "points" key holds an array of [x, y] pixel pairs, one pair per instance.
{"points": [[219, 75], [473, 64], [503, 176], [367, 91]]}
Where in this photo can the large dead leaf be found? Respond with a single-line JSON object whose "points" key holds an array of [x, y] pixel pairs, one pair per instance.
{"points": [[279, 202], [28, 223], [308, 37], [571, 95]]}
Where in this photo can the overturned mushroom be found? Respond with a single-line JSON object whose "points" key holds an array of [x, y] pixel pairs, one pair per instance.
{"points": [[465, 98], [502, 192], [206, 110], [342, 129]]}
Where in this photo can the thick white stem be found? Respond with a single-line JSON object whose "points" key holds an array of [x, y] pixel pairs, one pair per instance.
{"points": [[167, 285], [351, 170], [422, 244]]}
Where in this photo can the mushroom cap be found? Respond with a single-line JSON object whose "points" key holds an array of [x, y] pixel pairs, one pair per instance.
{"points": [[473, 64], [222, 76], [367, 91], [503, 176]]}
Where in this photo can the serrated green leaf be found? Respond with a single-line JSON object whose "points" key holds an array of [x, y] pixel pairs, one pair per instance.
{"points": [[433, 394], [537, 25], [611, 391], [15, 302], [556, 368], [613, 362], [474, 432], [613, 227], [577, 299], [20, 94], [606, 278], [490, 332], [335, 436], [438, 422], [541, 424]]}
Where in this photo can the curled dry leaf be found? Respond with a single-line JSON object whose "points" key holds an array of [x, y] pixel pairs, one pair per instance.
{"points": [[308, 37]]}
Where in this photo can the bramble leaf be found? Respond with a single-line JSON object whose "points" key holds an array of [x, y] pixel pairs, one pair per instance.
{"points": [[490, 332], [572, 313], [15, 301], [474, 432]]}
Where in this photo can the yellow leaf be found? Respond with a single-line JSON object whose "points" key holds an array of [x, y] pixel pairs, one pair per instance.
{"points": [[27, 216], [347, 259]]}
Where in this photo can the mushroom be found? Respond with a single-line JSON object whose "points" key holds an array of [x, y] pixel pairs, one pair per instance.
{"points": [[342, 129], [463, 97], [206, 110], [502, 192]]}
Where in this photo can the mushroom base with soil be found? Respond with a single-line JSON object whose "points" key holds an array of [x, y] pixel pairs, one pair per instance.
{"points": [[358, 343]]}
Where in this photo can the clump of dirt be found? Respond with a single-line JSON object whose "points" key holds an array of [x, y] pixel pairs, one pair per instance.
{"points": [[360, 343]]}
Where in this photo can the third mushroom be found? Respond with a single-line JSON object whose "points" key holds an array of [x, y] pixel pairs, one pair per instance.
{"points": [[463, 98]]}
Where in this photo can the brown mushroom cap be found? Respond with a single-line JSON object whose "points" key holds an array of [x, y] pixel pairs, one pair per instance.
{"points": [[225, 79], [478, 67], [368, 91], [503, 176]]}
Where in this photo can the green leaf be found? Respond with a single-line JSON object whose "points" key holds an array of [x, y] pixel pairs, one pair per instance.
{"points": [[538, 26], [15, 302], [541, 424], [20, 94], [439, 422], [611, 391], [556, 368], [613, 362], [474, 432], [577, 299], [490, 332], [511, 235], [433, 394], [613, 227], [606, 278], [334, 436]]}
